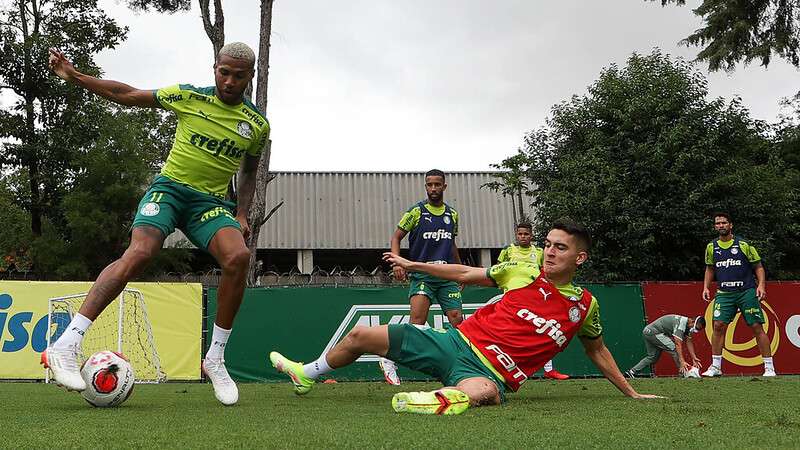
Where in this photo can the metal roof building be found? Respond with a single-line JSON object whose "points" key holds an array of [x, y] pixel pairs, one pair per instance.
{"points": [[360, 210]]}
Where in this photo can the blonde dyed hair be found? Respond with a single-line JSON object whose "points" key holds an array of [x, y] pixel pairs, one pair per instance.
{"points": [[238, 50]]}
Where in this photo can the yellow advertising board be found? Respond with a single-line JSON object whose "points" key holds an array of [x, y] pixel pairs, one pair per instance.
{"points": [[175, 312]]}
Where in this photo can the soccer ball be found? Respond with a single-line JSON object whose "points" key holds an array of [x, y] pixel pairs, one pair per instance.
{"points": [[109, 379], [694, 372]]}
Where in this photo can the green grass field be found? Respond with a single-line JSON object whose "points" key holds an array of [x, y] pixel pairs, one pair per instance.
{"points": [[729, 413]]}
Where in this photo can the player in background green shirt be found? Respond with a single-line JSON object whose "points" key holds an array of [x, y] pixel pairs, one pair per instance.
{"points": [[742, 285], [219, 132], [524, 251], [431, 226]]}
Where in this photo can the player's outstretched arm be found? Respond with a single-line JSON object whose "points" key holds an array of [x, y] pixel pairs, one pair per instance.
{"points": [[113, 90], [597, 351], [454, 272]]}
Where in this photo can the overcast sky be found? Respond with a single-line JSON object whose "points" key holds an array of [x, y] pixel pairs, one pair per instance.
{"points": [[415, 84]]}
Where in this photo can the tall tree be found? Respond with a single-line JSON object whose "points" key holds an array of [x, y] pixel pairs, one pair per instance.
{"points": [[511, 182], [48, 120], [257, 217], [745, 31], [644, 158], [214, 30]]}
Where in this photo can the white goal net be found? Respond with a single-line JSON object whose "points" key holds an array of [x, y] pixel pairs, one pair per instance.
{"points": [[122, 327]]}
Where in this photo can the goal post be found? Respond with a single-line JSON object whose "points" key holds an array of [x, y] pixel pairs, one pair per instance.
{"points": [[122, 327]]}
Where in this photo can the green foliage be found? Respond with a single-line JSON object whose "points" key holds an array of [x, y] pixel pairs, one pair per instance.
{"points": [[75, 164], [114, 173], [49, 119], [644, 158], [511, 181], [163, 6], [745, 31], [111, 176], [15, 235]]}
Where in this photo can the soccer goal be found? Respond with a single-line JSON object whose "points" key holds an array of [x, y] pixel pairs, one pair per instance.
{"points": [[123, 327]]}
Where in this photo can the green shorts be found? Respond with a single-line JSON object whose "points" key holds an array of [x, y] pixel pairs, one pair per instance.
{"points": [[168, 205], [442, 354], [445, 293], [727, 303]]}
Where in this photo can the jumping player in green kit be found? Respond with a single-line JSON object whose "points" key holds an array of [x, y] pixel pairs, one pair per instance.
{"points": [[219, 132]]}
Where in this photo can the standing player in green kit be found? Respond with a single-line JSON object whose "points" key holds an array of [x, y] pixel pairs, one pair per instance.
{"points": [[218, 132], [432, 227], [742, 285]]}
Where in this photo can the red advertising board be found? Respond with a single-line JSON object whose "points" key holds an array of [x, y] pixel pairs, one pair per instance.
{"points": [[740, 355]]}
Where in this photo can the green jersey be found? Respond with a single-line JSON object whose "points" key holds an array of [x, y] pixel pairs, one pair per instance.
{"points": [[431, 232], [411, 218], [749, 251], [518, 274], [518, 253], [212, 137]]}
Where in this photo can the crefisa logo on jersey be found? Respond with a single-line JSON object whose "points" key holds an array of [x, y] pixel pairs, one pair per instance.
{"points": [[150, 209], [244, 129], [437, 235]]}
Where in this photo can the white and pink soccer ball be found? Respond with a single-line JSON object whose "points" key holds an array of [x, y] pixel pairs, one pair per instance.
{"points": [[109, 379], [694, 372]]}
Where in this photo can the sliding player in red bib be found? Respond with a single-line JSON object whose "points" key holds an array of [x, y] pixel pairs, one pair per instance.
{"points": [[497, 348]]}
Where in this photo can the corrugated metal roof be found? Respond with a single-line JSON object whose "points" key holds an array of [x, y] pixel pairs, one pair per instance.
{"points": [[360, 210]]}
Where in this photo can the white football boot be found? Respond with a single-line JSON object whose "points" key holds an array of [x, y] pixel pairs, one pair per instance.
{"points": [[224, 387], [769, 373], [389, 369], [712, 372], [63, 363]]}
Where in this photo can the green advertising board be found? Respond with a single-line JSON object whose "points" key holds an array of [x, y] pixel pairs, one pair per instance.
{"points": [[302, 323]]}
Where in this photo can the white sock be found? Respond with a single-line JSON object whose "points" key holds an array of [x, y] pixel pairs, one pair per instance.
{"points": [[768, 364], [319, 367], [716, 361], [548, 366], [218, 341], [73, 335]]}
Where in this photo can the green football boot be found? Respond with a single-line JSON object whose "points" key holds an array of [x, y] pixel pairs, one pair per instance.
{"points": [[302, 383], [444, 401]]}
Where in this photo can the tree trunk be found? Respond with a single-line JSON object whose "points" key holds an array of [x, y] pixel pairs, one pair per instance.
{"points": [[259, 205], [514, 209], [215, 31], [30, 149]]}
